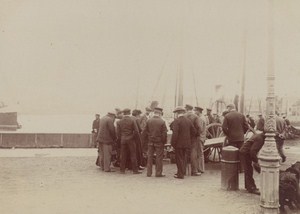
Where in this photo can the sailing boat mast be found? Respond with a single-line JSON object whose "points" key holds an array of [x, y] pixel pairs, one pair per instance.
{"points": [[242, 106], [180, 87]]}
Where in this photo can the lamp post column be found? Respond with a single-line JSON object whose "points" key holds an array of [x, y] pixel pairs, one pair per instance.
{"points": [[268, 156]]}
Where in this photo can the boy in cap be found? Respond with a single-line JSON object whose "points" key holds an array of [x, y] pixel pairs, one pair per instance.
{"points": [[155, 135]]}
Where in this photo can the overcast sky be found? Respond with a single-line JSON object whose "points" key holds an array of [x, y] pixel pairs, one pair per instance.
{"points": [[85, 56]]}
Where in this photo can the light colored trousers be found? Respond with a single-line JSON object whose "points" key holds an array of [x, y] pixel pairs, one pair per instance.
{"points": [[201, 164], [106, 154]]}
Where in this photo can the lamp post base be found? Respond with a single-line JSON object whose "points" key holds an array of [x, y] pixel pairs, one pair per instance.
{"points": [[269, 162]]}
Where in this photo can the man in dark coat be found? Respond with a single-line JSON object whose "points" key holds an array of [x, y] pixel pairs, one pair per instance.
{"points": [[181, 140], [137, 138], [142, 121], [106, 139], [155, 135], [95, 129], [261, 123], [234, 126], [194, 146], [126, 130], [248, 156]]}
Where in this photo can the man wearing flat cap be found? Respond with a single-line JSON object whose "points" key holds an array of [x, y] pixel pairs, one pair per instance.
{"points": [[126, 130], [181, 141], [209, 117], [106, 140], [201, 139], [194, 143], [234, 126], [155, 135]]}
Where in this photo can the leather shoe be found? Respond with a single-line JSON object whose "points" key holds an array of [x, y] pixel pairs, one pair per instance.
{"points": [[178, 177], [196, 174], [160, 176], [141, 168], [254, 191], [283, 159]]}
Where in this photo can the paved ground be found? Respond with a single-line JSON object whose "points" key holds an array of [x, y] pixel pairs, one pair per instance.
{"points": [[58, 181]]}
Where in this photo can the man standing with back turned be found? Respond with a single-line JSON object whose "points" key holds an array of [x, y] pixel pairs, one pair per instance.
{"points": [[126, 130], [181, 140], [106, 139], [194, 146], [234, 126], [155, 134]]}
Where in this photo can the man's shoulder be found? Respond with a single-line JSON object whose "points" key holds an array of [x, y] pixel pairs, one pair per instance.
{"points": [[233, 114]]}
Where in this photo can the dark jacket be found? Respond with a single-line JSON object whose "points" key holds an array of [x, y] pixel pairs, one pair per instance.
{"points": [[182, 129], [235, 126], [260, 124], [107, 133], [196, 123], [142, 121], [96, 125], [126, 129], [155, 131]]}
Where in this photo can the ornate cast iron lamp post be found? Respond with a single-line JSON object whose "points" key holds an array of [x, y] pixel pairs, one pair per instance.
{"points": [[268, 156]]}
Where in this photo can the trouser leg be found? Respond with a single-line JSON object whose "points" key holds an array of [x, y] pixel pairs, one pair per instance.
{"points": [[180, 156], [107, 150], [123, 157], [246, 162], [159, 150], [201, 163], [194, 157], [132, 151], [99, 161], [150, 159]]}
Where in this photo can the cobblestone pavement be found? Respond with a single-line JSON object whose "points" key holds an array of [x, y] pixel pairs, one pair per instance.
{"points": [[67, 181]]}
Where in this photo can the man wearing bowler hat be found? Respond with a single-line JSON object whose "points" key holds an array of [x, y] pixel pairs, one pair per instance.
{"points": [[194, 146], [126, 130], [155, 135], [200, 139], [181, 140]]}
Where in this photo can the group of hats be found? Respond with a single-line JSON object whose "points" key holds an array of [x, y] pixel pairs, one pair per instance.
{"points": [[187, 106], [127, 110]]}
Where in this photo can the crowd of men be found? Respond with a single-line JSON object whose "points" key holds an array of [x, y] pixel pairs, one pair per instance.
{"points": [[132, 140]]}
